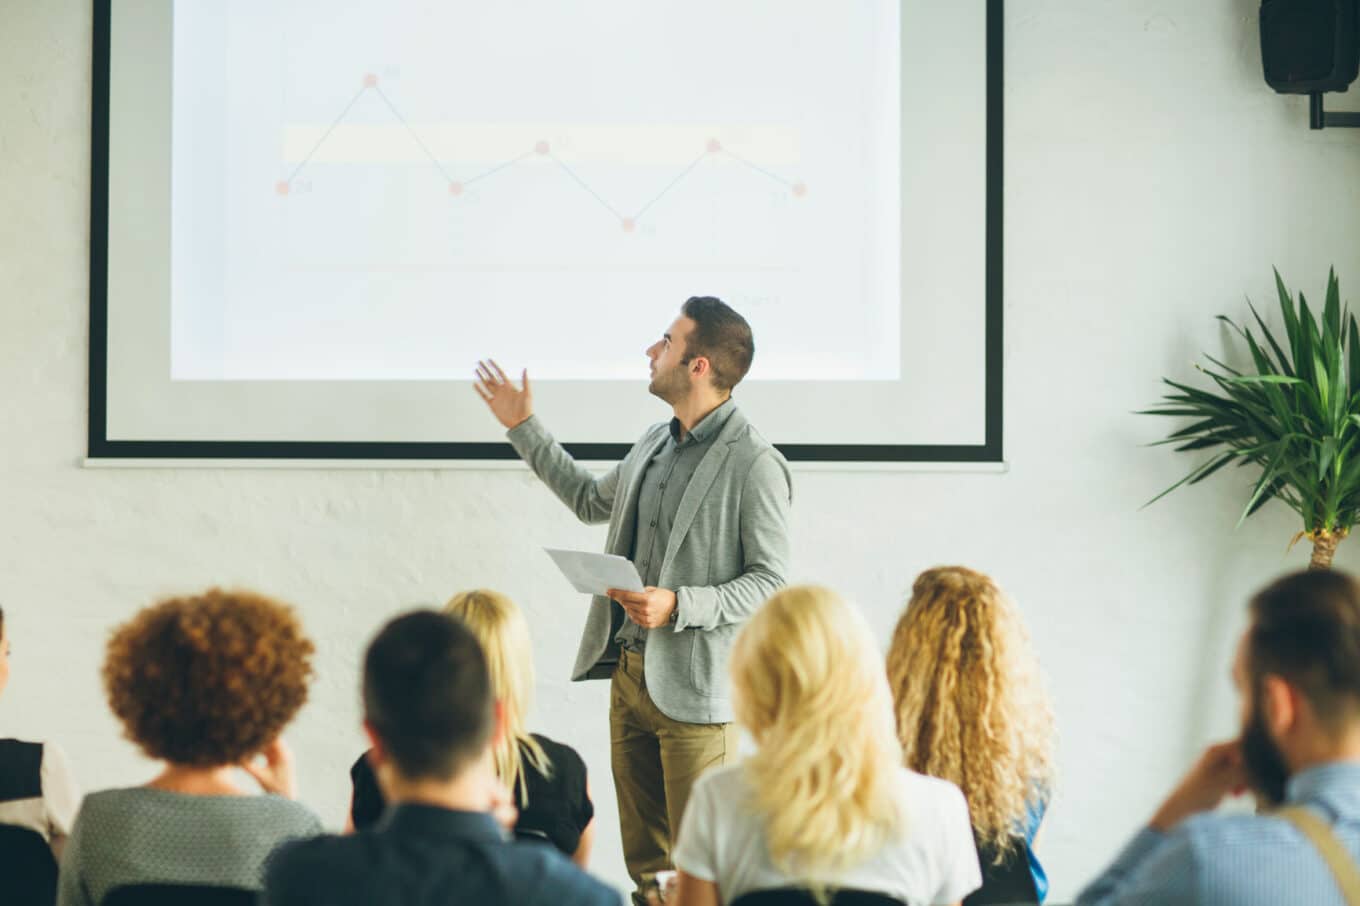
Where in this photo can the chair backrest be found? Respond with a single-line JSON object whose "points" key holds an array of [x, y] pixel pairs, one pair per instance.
{"points": [[28, 870], [797, 896], [1009, 884], [532, 835], [178, 895]]}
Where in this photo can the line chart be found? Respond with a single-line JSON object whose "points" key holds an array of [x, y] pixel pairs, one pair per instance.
{"points": [[456, 187]]}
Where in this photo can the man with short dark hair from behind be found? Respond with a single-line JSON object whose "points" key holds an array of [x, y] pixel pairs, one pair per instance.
{"points": [[432, 722], [1297, 670]]}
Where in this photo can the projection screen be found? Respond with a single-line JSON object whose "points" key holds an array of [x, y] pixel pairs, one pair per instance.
{"points": [[310, 220]]}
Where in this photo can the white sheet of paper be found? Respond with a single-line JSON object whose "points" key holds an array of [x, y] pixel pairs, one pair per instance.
{"points": [[592, 573]]}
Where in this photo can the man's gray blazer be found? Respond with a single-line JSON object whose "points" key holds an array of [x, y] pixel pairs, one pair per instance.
{"points": [[728, 551]]}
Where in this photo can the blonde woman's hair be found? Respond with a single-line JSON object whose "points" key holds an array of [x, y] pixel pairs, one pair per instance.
{"points": [[500, 627], [808, 684], [971, 705]]}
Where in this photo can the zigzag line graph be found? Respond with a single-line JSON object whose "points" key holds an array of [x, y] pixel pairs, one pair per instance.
{"points": [[456, 187]]}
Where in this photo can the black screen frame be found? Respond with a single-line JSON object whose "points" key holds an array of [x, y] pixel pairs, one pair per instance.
{"points": [[101, 447]]}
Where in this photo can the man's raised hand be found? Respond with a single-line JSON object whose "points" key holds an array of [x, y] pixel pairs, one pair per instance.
{"points": [[510, 406]]}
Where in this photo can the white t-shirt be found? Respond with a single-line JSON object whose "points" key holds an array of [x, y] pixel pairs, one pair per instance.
{"points": [[722, 839]]}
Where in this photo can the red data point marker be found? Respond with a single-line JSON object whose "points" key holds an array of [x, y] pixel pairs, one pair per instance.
{"points": [[629, 224], [714, 146], [455, 188], [541, 148], [370, 80], [281, 187], [799, 190]]}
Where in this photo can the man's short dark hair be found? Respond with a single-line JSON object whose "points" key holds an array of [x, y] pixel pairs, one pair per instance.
{"points": [[722, 336], [427, 694], [1306, 630]]}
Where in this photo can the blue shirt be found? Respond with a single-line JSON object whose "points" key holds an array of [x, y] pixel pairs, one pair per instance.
{"points": [[1034, 816], [421, 855], [1239, 860]]}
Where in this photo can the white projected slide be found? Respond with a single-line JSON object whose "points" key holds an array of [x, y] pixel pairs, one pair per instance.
{"points": [[389, 190], [311, 219]]}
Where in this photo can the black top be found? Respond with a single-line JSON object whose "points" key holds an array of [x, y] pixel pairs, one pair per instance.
{"points": [[28, 871], [1010, 883], [558, 808], [20, 770], [421, 855]]}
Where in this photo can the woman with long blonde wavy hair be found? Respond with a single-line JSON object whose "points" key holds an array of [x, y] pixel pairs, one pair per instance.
{"points": [[824, 803], [547, 778], [971, 709]]}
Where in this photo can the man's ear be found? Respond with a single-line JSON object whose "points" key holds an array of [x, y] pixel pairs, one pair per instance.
{"points": [[699, 366], [1280, 704], [377, 754]]}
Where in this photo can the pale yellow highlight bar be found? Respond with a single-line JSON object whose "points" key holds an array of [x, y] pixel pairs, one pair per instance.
{"points": [[494, 143]]}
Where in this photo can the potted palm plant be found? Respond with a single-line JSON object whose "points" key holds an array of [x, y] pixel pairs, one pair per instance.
{"points": [[1294, 419]]}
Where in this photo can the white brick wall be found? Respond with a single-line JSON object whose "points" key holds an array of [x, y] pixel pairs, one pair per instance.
{"points": [[1151, 180]]}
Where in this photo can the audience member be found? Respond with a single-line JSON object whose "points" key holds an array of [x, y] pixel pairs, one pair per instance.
{"points": [[547, 777], [972, 710], [38, 801], [37, 791], [204, 684], [434, 726], [1297, 671], [825, 802]]}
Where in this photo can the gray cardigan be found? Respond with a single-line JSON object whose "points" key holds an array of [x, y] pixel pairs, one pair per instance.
{"points": [[728, 551]]}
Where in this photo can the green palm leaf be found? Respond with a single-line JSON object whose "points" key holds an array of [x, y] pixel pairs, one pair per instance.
{"points": [[1294, 416]]}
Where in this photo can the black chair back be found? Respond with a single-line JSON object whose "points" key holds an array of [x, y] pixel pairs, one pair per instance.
{"points": [[1009, 884], [797, 896], [178, 895], [28, 870]]}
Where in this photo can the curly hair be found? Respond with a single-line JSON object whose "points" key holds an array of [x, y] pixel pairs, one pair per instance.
{"points": [[808, 684], [971, 706], [208, 680]]}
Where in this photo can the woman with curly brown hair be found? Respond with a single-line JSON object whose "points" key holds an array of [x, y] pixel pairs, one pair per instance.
{"points": [[971, 708], [205, 685]]}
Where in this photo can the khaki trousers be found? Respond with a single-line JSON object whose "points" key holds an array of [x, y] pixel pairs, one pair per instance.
{"points": [[656, 761]]}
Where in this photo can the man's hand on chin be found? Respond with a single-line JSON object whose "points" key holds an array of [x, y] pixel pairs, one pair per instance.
{"points": [[650, 608], [1218, 773]]}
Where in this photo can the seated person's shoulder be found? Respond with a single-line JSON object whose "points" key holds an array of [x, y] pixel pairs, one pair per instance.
{"points": [[114, 801], [722, 794], [549, 878], [925, 791], [300, 868], [271, 814], [288, 815], [361, 768], [1212, 832], [559, 753]]}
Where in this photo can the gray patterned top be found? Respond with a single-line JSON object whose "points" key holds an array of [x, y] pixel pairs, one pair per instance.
{"points": [[148, 836]]}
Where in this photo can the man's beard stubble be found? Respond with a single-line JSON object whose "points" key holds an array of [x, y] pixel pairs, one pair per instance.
{"points": [[669, 385], [1261, 757]]}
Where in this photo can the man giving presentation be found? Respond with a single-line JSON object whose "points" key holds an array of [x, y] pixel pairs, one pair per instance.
{"points": [[701, 505]]}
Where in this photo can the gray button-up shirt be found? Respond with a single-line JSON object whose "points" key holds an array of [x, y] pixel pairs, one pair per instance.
{"points": [[663, 485]]}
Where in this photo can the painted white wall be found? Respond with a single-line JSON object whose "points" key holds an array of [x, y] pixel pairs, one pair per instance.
{"points": [[1151, 181]]}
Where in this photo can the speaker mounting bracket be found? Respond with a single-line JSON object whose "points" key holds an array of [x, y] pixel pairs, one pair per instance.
{"points": [[1319, 118]]}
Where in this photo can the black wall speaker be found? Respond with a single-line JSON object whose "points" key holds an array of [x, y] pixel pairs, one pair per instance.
{"points": [[1310, 45]]}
